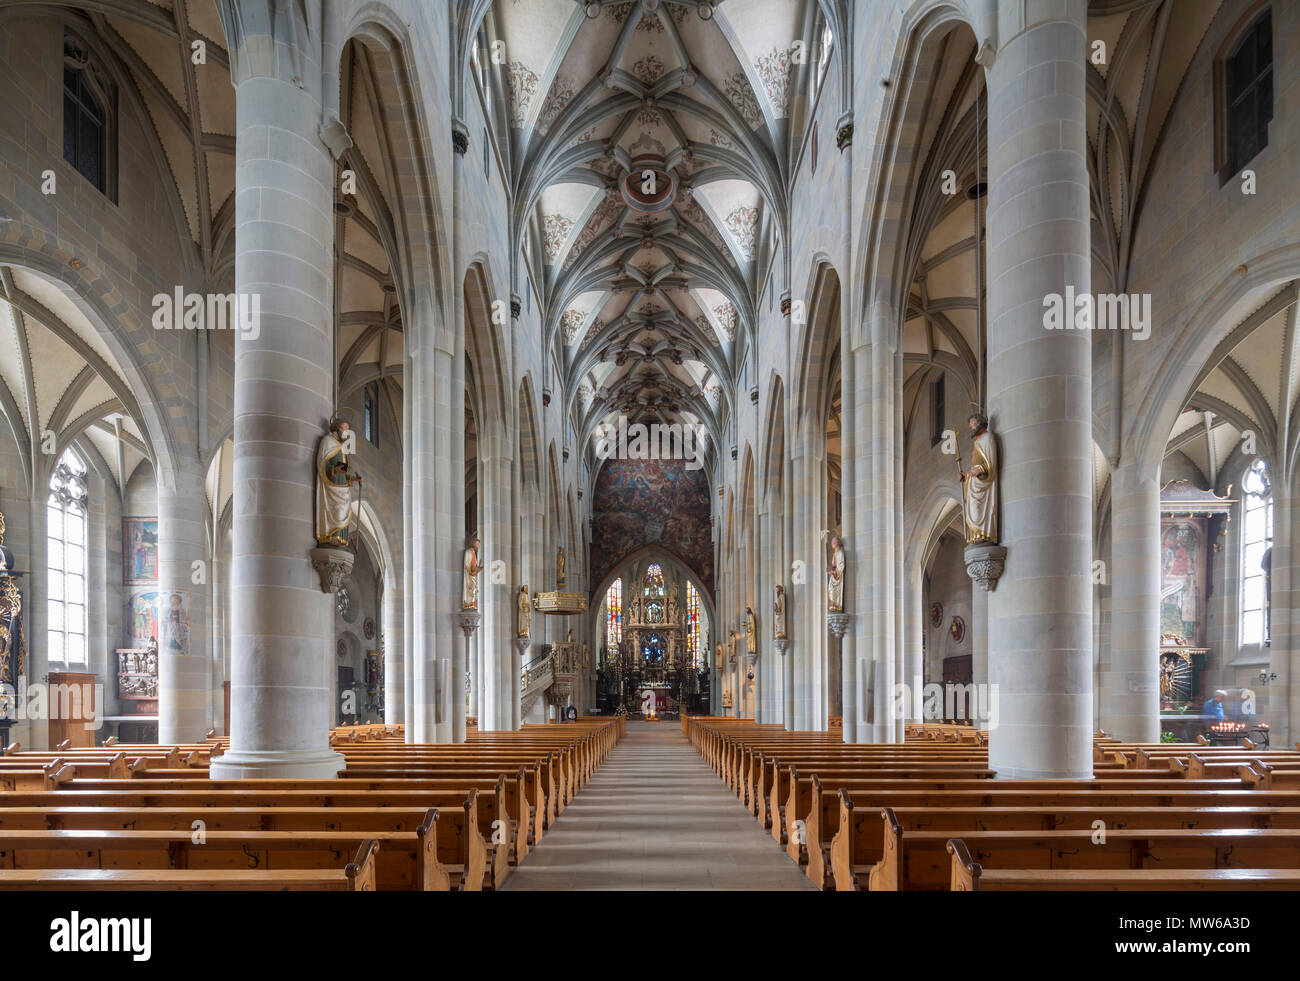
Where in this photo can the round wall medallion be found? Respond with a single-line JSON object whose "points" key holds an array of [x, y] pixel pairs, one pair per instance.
{"points": [[368, 628], [341, 649], [958, 629], [936, 614]]}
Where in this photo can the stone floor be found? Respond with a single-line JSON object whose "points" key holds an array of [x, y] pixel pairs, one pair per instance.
{"points": [[655, 816]]}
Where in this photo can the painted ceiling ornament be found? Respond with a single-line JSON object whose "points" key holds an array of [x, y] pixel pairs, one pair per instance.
{"points": [[522, 83], [773, 69], [556, 229], [738, 91], [742, 222]]}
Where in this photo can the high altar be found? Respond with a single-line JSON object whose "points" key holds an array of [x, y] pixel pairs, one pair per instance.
{"points": [[655, 661]]}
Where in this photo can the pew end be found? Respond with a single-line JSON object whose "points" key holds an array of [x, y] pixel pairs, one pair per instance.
{"points": [[965, 871], [360, 871]]}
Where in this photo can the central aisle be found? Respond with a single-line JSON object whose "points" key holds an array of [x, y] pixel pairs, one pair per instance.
{"points": [[654, 816]]}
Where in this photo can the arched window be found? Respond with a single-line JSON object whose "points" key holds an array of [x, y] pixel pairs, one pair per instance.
{"points": [[89, 143], [654, 580], [65, 550], [1256, 540], [692, 625], [1248, 77], [614, 613]]}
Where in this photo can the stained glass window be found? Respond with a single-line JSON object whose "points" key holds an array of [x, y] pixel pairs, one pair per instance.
{"points": [[614, 613], [1256, 539], [65, 555], [654, 580], [692, 625]]}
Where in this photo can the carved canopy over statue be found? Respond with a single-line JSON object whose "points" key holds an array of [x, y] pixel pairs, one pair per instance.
{"points": [[980, 484], [336, 511]]}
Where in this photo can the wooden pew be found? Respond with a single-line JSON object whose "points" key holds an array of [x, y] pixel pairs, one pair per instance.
{"points": [[859, 844], [970, 876], [920, 859], [406, 860], [357, 876]]}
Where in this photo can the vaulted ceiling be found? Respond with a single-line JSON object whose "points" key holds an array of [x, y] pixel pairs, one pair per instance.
{"points": [[650, 166]]}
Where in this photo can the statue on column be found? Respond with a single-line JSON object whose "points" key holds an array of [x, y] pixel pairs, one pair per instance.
{"points": [[672, 602], [980, 484], [835, 576], [778, 614], [559, 567], [336, 511], [751, 631], [586, 657], [717, 653], [524, 621], [469, 589]]}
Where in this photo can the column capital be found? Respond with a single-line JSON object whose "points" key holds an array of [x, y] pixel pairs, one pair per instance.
{"points": [[274, 39]]}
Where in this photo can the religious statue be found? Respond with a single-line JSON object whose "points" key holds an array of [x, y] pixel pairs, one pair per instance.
{"points": [[570, 637], [717, 653], [524, 621], [980, 487], [751, 631], [559, 566], [672, 602], [336, 511], [586, 658], [778, 614], [835, 577], [469, 589]]}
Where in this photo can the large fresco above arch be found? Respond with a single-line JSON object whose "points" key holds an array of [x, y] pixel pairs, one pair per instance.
{"points": [[649, 502]]}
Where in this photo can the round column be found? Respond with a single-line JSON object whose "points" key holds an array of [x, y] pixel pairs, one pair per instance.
{"points": [[284, 373], [1040, 405], [1130, 688], [184, 672]]}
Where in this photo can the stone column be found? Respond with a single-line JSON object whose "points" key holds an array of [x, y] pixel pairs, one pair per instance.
{"points": [[498, 603], [1040, 404], [876, 573], [809, 622], [184, 673], [1278, 699], [394, 662], [787, 683], [434, 547], [282, 622], [978, 630], [1130, 689]]}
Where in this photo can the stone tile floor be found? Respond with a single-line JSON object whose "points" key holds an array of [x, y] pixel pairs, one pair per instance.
{"points": [[655, 816]]}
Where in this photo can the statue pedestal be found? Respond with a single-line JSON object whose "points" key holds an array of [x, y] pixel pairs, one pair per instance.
{"points": [[985, 565], [781, 645], [469, 621], [332, 564], [839, 624]]}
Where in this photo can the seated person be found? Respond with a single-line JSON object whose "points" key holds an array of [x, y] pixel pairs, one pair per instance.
{"points": [[1214, 706]]}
